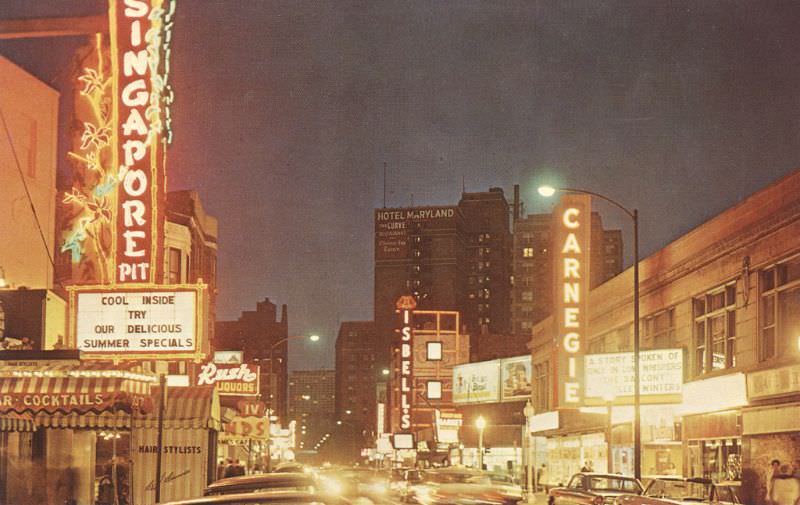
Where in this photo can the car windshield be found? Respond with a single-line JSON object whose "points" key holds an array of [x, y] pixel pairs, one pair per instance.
{"points": [[679, 490], [613, 484]]}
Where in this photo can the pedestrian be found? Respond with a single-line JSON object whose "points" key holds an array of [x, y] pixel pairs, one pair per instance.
{"points": [[772, 472], [796, 468], [587, 466], [541, 477], [785, 488], [228, 471], [238, 469], [221, 469], [105, 487]]}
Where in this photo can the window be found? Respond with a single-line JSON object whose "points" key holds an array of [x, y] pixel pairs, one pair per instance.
{"points": [[542, 386], [434, 351], [174, 267], [527, 296], [434, 390], [597, 346], [658, 330], [527, 252], [715, 330], [779, 310]]}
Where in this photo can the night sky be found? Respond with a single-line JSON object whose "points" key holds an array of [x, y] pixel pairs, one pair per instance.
{"points": [[286, 112]]}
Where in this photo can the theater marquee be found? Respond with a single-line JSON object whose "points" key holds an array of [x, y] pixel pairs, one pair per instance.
{"points": [[573, 218], [139, 322]]}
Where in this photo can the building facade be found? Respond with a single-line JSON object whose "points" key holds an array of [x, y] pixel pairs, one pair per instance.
{"points": [[448, 258], [263, 338], [357, 373], [30, 110], [726, 296], [312, 405]]}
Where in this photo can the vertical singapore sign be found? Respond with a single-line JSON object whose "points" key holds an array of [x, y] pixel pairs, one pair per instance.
{"points": [[573, 217], [406, 306], [137, 36]]}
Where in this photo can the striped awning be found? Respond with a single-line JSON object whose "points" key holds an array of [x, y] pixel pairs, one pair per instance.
{"points": [[16, 422], [94, 387], [186, 407]]}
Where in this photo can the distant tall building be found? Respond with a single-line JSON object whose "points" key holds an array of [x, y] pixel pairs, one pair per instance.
{"points": [[255, 332], [533, 266], [357, 373], [449, 258], [312, 404]]}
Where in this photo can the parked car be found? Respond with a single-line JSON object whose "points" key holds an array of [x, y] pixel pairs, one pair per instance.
{"points": [[594, 489], [257, 498], [679, 490], [262, 482]]}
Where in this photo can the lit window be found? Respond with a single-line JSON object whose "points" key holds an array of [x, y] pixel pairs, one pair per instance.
{"points": [[434, 390], [434, 351], [527, 252], [715, 330]]}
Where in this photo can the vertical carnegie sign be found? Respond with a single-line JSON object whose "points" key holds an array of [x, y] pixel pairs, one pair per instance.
{"points": [[137, 31], [572, 225]]}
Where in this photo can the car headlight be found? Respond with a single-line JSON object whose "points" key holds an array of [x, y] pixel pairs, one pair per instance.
{"points": [[331, 486]]}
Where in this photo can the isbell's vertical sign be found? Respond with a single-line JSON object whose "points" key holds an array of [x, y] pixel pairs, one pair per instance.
{"points": [[140, 31], [405, 307], [573, 218]]}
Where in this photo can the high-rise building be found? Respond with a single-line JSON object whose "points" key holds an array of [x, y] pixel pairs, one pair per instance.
{"points": [[448, 258], [255, 333], [357, 373], [312, 404], [533, 266]]}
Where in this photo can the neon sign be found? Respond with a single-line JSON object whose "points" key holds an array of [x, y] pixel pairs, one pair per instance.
{"points": [[572, 287], [405, 307], [114, 223]]}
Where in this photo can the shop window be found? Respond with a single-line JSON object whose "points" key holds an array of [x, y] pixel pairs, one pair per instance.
{"points": [[434, 390], [434, 351], [715, 330], [779, 310]]}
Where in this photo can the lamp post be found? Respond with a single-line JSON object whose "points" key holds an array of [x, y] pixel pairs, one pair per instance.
{"points": [[530, 457], [548, 191], [609, 398], [480, 423], [273, 385]]}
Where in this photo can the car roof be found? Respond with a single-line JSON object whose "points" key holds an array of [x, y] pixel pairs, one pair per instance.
{"points": [[699, 480], [263, 478], [277, 497], [607, 475]]}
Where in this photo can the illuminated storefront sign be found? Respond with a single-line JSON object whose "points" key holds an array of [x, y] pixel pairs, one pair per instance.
{"points": [[406, 362], [135, 323], [447, 425], [572, 239], [113, 219], [234, 357], [230, 379], [661, 377], [393, 228]]}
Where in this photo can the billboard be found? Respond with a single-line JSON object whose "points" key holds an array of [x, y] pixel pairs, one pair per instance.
{"points": [[572, 226], [610, 376], [516, 378], [138, 322], [393, 227], [477, 382], [230, 379]]}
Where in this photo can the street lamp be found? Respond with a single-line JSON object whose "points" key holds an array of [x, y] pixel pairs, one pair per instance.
{"points": [[609, 398], [530, 457], [480, 423], [548, 191]]}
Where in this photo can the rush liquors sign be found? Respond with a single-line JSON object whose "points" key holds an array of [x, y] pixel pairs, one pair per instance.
{"points": [[230, 379]]}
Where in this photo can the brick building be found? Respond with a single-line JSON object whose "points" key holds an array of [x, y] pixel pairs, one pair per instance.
{"points": [[255, 332], [449, 258], [357, 374], [312, 404], [728, 295]]}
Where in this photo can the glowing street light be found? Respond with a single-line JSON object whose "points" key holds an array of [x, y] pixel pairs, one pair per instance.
{"points": [[480, 423], [547, 191]]}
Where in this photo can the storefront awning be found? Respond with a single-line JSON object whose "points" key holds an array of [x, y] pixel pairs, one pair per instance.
{"points": [[16, 422], [94, 387], [187, 407]]}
